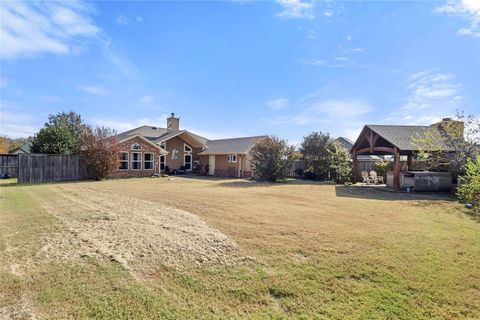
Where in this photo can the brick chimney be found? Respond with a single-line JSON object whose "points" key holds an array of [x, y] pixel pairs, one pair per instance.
{"points": [[173, 124], [454, 128]]}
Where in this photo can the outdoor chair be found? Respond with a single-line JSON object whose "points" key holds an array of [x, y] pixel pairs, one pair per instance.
{"points": [[365, 177], [375, 178]]}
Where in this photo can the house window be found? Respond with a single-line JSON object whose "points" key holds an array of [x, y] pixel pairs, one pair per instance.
{"points": [[232, 158], [187, 148], [136, 161], [187, 161], [148, 161], [123, 161], [136, 146], [163, 145]]}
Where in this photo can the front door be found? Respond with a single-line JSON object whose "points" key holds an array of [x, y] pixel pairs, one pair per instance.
{"points": [[211, 165]]}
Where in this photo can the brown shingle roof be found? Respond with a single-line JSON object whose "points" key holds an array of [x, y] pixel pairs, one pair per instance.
{"points": [[231, 146], [404, 137], [156, 134]]}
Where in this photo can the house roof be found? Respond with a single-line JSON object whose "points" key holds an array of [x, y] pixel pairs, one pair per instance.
{"points": [[157, 134], [231, 146], [404, 137], [26, 147], [347, 143]]}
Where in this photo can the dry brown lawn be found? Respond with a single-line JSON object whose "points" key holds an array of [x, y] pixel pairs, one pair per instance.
{"points": [[210, 248]]}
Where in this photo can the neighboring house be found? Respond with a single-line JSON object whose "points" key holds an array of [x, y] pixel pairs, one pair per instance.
{"points": [[24, 148], [347, 143], [229, 157], [148, 150]]}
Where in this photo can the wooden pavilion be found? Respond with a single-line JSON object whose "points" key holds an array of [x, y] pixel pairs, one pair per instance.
{"points": [[396, 140]]}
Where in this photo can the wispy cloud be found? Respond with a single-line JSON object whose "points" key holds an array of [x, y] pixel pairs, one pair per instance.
{"points": [[94, 89], [16, 123], [127, 19], [468, 10], [146, 99], [122, 125], [120, 59], [296, 9], [31, 28], [278, 104], [314, 108], [430, 96]]}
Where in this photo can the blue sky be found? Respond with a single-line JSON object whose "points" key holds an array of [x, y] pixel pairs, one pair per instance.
{"points": [[239, 68]]}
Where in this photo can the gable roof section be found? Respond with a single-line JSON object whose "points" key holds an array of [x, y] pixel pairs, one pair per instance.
{"points": [[231, 146], [347, 143], [26, 147], [162, 151], [404, 137], [158, 135]]}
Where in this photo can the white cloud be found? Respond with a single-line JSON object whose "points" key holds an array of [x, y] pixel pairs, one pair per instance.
{"points": [[94, 89], [278, 104], [31, 28], [123, 125], [358, 50], [430, 96], [296, 9], [120, 59], [316, 109], [468, 10], [16, 123], [126, 19]]}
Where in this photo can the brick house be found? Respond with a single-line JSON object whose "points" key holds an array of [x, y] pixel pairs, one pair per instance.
{"points": [[149, 150]]}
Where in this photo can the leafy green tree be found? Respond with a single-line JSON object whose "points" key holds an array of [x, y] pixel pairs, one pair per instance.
{"points": [[62, 134], [461, 137], [272, 158], [340, 165], [316, 151], [469, 191]]}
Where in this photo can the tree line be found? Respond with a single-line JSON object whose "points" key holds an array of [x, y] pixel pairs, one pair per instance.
{"points": [[325, 159]]}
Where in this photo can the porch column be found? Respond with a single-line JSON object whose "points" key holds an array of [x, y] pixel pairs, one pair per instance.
{"points": [[355, 166], [396, 170]]}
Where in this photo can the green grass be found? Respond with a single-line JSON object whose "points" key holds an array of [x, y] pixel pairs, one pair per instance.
{"points": [[315, 254]]}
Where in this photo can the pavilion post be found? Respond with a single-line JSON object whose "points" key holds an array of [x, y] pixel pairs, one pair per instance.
{"points": [[396, 170], [355, 166]]}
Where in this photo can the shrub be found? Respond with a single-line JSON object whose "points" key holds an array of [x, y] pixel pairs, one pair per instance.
{"points": [[299, 172], [469, 191], [382, 167], [100, 152], [310, 174], [272, 158]]}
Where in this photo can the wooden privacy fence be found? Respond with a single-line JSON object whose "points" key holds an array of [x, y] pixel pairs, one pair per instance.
{"points": [[50, 167], [8, 165]]}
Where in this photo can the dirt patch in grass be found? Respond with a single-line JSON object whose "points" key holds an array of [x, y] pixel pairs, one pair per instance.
{"points": [[138, 234]]}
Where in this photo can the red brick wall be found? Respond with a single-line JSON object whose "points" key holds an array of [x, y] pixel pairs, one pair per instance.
{"points": [[126, 146]]}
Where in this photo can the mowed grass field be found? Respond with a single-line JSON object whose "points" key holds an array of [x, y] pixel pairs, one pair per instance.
{"points": [[304, 251]]}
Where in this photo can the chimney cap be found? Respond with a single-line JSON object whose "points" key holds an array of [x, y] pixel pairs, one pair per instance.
{"points": [[446, 119], [173, 114]]}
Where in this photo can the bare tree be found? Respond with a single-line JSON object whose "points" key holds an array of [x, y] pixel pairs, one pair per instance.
{"points": [[100, 152]]}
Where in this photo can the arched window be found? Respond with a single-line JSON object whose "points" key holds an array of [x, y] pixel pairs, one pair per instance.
{"points": [[136, 146]]}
